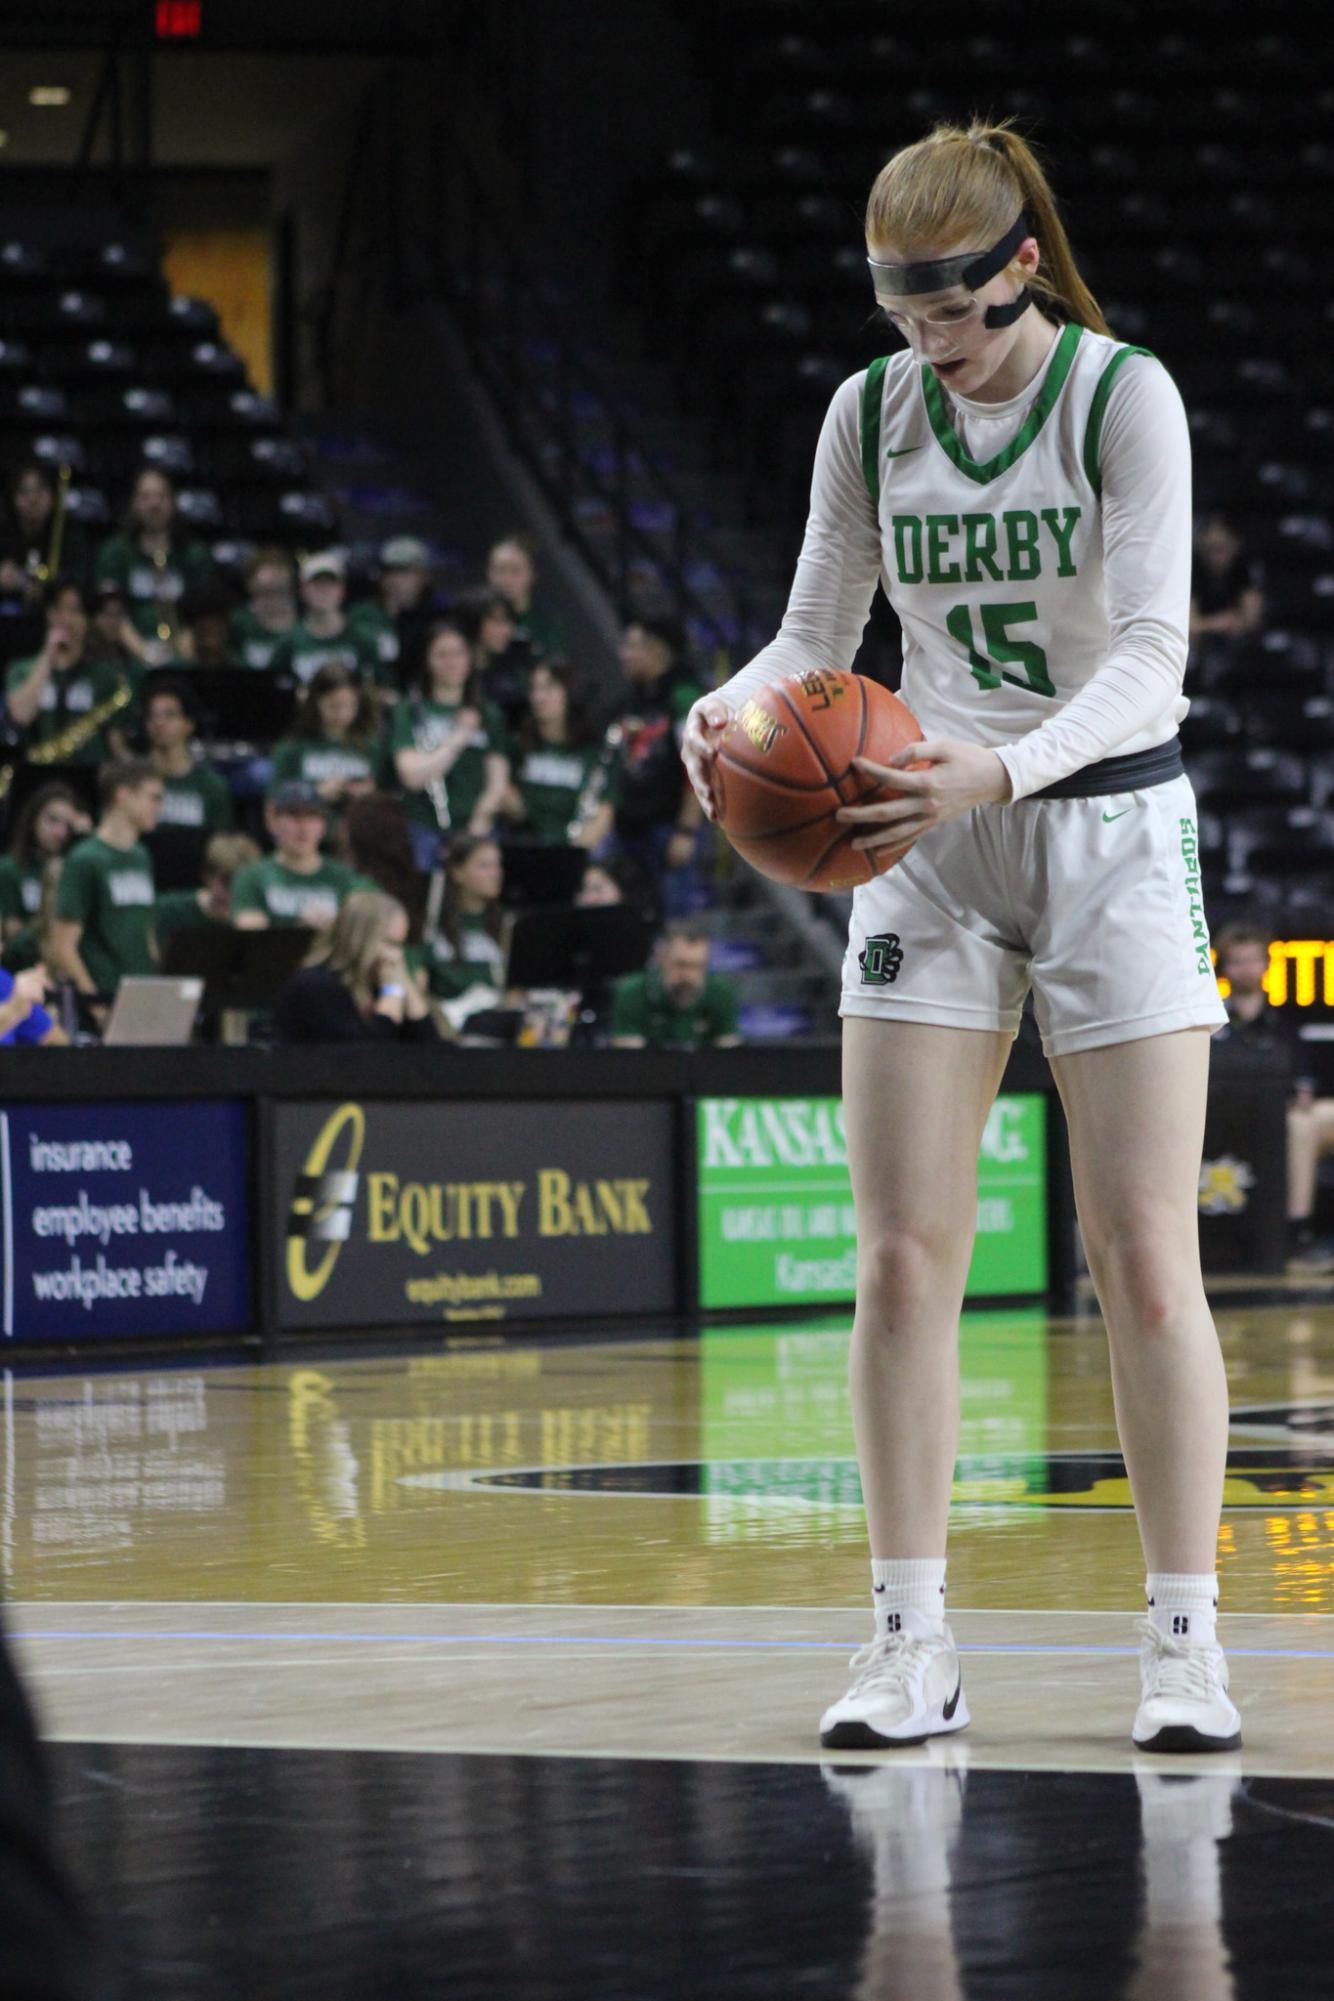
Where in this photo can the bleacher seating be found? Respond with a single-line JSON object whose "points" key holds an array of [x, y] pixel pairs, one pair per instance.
{"points": [[1195, 189], [103, 369]]}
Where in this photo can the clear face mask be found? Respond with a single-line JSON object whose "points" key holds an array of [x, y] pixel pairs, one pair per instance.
{"points": [[941, 329], [949, 287]]}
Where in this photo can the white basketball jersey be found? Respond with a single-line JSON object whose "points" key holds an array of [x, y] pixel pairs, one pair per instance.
{"points": [[996, 569]]}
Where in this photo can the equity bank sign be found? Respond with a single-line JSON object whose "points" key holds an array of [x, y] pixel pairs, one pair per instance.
{"points": [[396, 1212]]}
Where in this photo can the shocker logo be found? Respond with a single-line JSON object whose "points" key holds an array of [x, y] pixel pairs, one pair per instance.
{"points": [[1225, 1185], [322, 1202], [880, 959]]}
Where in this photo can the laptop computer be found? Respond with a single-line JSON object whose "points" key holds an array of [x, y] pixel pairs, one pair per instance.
{"points": [[149, 1010]]}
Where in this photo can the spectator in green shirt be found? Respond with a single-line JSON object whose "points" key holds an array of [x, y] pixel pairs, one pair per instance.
{"points": [[676, 1003], [269, 613], [296, 884], [511, 569], [468, 949], [103, 926], [195, 795], [336, 744], [562, 788], [450, 748], [156, 561], [205, 908], [70, 704], [399, 616], [51, 820], [324, 635]]}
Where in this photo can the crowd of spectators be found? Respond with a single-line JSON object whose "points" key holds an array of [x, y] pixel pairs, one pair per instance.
{"points": [[347, 753]]}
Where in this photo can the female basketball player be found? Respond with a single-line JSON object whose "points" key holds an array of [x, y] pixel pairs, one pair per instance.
{"points": [[1021, 485]]}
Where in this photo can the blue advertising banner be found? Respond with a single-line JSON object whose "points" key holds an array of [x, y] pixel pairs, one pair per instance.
{"points": [[123, 1219]]}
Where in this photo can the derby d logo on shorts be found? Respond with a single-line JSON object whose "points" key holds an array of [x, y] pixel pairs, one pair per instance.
{"points": [[880, 959]]}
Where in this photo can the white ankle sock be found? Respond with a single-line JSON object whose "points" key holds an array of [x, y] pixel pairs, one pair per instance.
{"points": [[1182, 1606], [907, 1584]]}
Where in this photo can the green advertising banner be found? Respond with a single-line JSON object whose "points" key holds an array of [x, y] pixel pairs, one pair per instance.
{"points": [[776, 1220], [776, 1424]]}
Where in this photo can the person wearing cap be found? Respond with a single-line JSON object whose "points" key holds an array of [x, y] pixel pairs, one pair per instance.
{"points": [[296, 884], [324, 635], [255, 631], [397, 618]]}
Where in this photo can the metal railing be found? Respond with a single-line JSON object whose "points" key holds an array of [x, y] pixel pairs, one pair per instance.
{"points": [[449, 240], [508, 317]]}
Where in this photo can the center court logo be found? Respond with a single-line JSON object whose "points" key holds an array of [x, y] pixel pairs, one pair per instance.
{"points": [[880, 959], [322, 1201]]}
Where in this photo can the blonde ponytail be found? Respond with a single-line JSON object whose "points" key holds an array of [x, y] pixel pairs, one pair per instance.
{"points": [[965, 186]]}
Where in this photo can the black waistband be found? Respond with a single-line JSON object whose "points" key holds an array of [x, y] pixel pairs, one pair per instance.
{"points": [[1157, 766]]}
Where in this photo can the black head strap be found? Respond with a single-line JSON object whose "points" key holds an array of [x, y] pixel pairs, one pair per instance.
{"points": [[894, 281]]}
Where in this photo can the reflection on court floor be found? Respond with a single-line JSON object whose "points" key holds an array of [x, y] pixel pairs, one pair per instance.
{"points": [[610, 1585]]}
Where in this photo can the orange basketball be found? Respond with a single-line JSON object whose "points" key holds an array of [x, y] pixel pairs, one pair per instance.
{"points": [[785, 767]]}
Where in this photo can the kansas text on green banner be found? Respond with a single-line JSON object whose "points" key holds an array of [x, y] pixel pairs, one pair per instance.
{"points": [[776, 1218]]}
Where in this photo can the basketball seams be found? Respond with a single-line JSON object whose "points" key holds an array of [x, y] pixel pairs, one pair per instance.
{"points": [[824, 860], [831, 776], [770, 777]]}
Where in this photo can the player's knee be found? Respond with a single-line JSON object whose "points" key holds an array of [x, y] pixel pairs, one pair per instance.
{"points": [[901, 1265], [1147, 1282]]}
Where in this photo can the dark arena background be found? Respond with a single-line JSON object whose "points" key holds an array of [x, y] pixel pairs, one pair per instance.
{"points": [[430, 1526]]}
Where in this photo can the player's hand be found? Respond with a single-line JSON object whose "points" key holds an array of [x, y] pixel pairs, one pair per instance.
{"points": [[958, 777], [699, 747]]}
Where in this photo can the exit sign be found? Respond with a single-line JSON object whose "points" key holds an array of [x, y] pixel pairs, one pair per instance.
{"points": [[178, 20]]}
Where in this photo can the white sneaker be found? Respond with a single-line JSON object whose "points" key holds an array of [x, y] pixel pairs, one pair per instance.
{"points": [[907, 1688], [1185, 1704]]}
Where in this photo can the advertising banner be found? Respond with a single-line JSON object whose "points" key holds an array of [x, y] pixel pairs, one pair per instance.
{"points": [[124, 1219], [391, 1212], [776, 1219]]}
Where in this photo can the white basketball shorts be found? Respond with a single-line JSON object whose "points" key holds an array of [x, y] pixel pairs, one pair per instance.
{"points": [[1094, 903]]}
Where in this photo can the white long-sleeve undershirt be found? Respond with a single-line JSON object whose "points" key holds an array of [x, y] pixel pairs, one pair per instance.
{"points": [[1146, 531]]}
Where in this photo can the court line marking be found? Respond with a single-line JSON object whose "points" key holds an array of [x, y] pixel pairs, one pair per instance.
{"points": [[700, 1645]]}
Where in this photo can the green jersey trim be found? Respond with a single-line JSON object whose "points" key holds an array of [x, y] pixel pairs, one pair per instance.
{"points": [[950, 442], [872, 400], [1098, 410]]}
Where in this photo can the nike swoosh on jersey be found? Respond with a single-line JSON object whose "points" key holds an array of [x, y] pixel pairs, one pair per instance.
{"points": [[1107, 818], [949, 1708], [901, 451]]}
